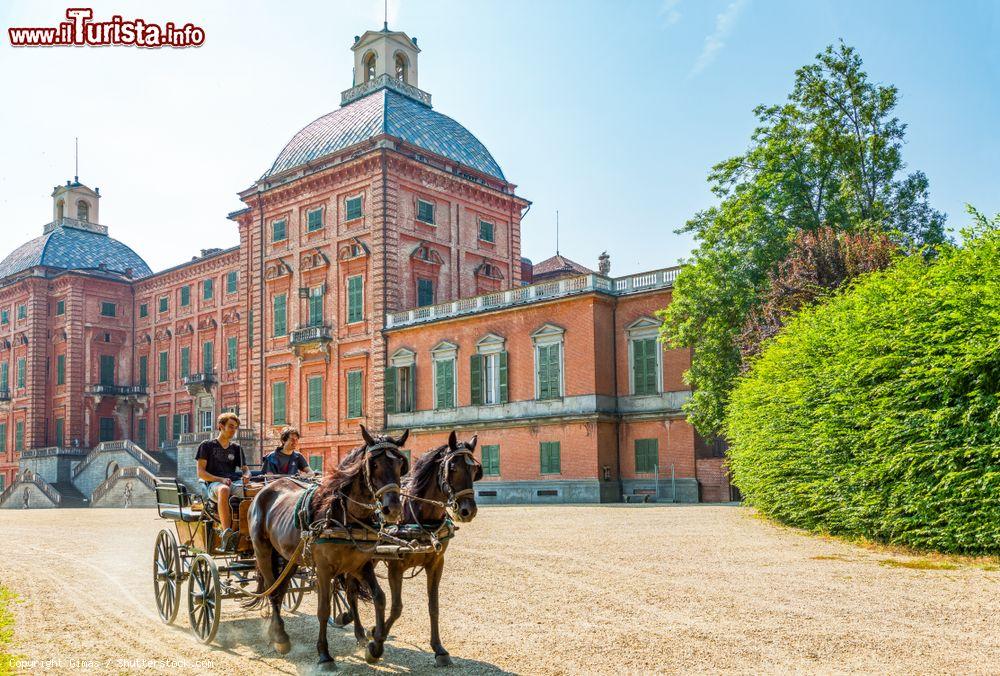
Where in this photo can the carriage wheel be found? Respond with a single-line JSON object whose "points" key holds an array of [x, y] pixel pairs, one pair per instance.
{"points": [[204, 598], [167, 575], [293, 594]]}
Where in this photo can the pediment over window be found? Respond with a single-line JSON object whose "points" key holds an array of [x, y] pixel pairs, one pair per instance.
{"points": [[444, 350], [207, 323], [163, 334], [184, 329], [355, 249], [643, 326], [148, 338], [491, 342], [230, 317], [277, 268], [548, 333], [20, 339], [313, 259], [4, 344], [403, 357], [425, 253], [488, 270]]}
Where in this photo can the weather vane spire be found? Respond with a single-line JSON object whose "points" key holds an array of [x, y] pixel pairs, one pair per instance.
{"points": [[76, 159], [557, 232], [385, 23]]}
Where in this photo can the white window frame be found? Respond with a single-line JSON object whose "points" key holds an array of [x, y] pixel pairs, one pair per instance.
{"points": [[550, 334], [643, 329], [401, 359], [444, 351], [490, 346]]}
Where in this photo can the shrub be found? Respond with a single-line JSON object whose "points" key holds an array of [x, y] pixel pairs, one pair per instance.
{"points": [[877, 414]]}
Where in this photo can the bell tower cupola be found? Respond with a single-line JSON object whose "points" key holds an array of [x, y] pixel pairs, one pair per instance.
{"points": [[385, 52], [76, 201]]}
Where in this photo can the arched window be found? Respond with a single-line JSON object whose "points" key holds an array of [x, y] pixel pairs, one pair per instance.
{"points": [[59, 210], [83, 211], [402, 68], [369, 66]]}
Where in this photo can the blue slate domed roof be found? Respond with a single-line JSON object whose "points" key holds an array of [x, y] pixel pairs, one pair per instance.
{"points": [[75, 248], [386, 112]]}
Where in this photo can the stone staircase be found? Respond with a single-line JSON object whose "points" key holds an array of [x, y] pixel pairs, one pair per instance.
{"points": [[168, 466], [71, 497]]}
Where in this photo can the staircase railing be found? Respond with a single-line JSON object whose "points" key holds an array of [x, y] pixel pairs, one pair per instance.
{"points": [[130, 447], [140, 473], [30, 477]]}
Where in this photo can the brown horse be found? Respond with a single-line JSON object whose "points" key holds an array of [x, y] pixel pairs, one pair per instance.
{"points": [[441, 480], [366, 483]]}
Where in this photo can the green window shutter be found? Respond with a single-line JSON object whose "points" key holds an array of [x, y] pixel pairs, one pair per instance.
{"points": [[413, 389], [486, 231], [652, 352], [355, 299], [504, 390], [185, 295], [353, 208], [4, 375], [280, 316], [390, 390], [315, 220], [185, 362], [425, 292], [208, 289], [279, 231], [315, 385], [107, 432], [177, 426], [644, 354], [143, 310], [60, 307], [278, 392], [161, 374], [250, 333], [22, 375], [61, 370], [60, 427], [476, 378], [646, 455], [143, 371], [316, 306], [161, 430], [140, 433], [164, 304], [548, 371], [3, 437], [231, 353], [207, 357], [107, 309], [444, 374], [425, 212], [19, 436], [550, 457], [316, 463], [4, 317], [354, 394], [231, 280], [491, 460], [107, 370]]}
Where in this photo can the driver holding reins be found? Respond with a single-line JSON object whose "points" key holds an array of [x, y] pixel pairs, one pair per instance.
{"points": [[220, 464]]}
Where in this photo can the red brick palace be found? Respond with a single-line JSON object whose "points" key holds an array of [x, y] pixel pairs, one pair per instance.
{"points": [[379, 279]]}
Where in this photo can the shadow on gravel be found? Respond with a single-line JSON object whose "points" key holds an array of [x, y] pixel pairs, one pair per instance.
{"points": [[250, 632]]}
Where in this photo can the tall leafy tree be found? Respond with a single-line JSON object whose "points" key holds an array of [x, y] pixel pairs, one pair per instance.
{"points": [[831, 156]]}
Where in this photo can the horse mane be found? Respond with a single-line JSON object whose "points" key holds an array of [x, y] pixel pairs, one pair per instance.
{"points": [[338, 479], [424, 470]]}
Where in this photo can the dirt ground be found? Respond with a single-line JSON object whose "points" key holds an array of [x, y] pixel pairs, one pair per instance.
{"points": [[551, 589]]}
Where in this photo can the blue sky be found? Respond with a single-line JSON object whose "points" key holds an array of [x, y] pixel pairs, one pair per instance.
{"points": [[611, 113]]}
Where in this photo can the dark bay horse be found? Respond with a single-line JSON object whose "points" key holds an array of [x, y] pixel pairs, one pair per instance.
{"points": [[367, 482], [441, 480]]}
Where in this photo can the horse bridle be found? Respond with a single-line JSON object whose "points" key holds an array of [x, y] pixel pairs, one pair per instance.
{"points": [[371, 452], [445, 485]]}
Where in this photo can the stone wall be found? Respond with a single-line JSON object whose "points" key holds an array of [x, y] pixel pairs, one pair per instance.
{"points": [[30, 493], [127, 492], [97, 471]]}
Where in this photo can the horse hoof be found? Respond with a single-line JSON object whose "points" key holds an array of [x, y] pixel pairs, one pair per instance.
{"points": [[373, 652], [326, 665], [442, 660], [283, 648], [343, 619]]}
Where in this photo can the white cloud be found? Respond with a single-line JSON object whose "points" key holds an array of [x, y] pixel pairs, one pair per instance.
{"points": [[724, 23], [668, 12]]}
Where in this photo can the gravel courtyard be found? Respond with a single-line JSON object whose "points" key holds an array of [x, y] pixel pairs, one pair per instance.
{"points": [[574, 589]]}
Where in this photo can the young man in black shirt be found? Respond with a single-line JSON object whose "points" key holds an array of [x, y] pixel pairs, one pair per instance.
{"points": [[285, 459], [220, 463]]}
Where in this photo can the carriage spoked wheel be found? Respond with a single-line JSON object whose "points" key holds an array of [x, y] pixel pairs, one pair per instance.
{"points": [[204, 598], [293, 594], [167, 575], [340, 611]]}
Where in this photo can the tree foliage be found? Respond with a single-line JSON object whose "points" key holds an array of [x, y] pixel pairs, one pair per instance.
{"points": [[829, 156], [877, 412], [818, 263]]}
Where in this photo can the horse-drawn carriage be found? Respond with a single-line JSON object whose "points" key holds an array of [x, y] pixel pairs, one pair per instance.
{"points": [[334, 532]]}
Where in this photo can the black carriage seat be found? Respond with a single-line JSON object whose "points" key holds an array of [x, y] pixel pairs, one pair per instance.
{"points": [[173, 501]]}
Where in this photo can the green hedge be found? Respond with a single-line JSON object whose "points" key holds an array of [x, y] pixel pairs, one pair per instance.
{"points": [[876, 413]]}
